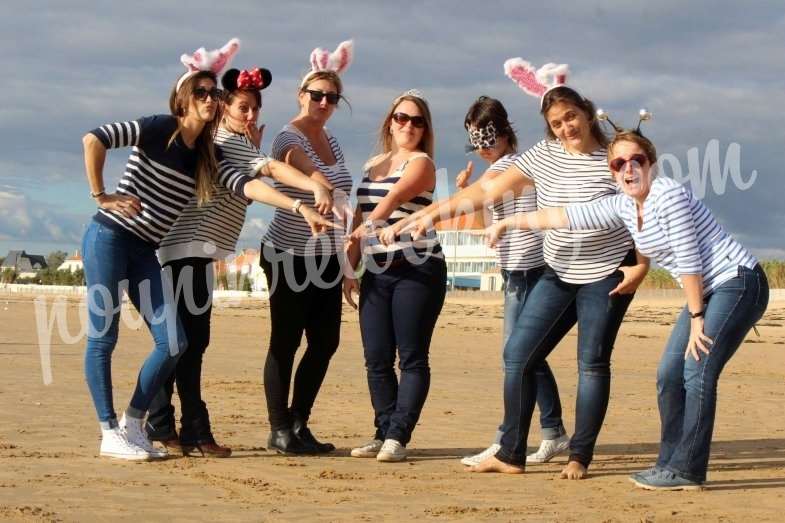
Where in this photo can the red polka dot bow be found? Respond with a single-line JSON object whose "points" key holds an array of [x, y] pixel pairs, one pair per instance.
{"points": [[250, 79]]}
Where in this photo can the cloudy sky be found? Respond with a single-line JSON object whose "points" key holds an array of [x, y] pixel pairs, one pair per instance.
{"points": [[711, 72]]}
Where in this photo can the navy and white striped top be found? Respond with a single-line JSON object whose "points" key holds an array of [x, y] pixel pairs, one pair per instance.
{"points": [[211, 230], [160, 174], [678, 232], [518, 249], [370, 193], [563, 179], [289, 231]]}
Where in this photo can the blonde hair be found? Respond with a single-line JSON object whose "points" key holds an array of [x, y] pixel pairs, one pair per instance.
{"points": [[206, 163], [426, 144]]}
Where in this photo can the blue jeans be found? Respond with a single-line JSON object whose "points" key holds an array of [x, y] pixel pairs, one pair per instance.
{"points": [[116, 260], [687, 389], [398, 309], [550, 311], [517, 285]]}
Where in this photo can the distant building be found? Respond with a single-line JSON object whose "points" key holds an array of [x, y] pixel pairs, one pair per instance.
{"points": [[72, 263], [466, 253], [238, 267], [25, 265]]}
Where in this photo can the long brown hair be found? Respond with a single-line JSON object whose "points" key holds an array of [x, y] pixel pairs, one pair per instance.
{"points": [[385, 138], [570, 96], [206, 164]]}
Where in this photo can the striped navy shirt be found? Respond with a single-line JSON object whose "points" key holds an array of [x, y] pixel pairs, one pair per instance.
{"points": [[518, 249], [370, 193], [211, 230], [289, 231], [160, 174], [563, 179], [678, 232]]}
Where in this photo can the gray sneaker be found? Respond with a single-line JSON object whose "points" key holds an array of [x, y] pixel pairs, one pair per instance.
{"points": [[665, 480]]}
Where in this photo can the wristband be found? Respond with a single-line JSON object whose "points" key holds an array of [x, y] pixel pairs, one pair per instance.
{"points": [[694, 315], [97, 194], [296, 206]]}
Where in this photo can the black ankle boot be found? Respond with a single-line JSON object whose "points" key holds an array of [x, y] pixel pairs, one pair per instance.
{"points": [[304, 434], [286, 442]]}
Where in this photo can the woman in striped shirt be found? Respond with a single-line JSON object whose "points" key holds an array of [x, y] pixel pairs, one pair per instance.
{"points": [[582, 283], [303, 273], [519, 253], [201, 234], [403, 287], [726, 290], [173, 159]]}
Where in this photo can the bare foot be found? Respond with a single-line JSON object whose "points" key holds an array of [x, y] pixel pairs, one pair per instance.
{"points": [[573, 470], [492, 464]]}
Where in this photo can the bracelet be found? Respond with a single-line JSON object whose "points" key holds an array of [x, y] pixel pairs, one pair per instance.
{"points": [[97, 194], [696, 314], [296, 205]]}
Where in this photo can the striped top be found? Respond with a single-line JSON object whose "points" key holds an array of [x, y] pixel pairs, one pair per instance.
{"points": [[518, 249], [211, 231], [289, 231], [678, 232], [563, 179], [370, 193], [161, 175]]}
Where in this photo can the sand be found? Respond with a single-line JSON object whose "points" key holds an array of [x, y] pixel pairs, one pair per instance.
{"points": [[49, 438]]}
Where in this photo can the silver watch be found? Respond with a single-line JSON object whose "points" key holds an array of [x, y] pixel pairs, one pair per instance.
{"points": [[296, 206]]}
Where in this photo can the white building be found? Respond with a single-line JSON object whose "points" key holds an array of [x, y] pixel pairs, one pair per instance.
{"points": [[72, 263], [467, 255]]}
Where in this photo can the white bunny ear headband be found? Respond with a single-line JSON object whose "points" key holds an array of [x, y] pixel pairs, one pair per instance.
{"points": [[338, 61], [643, 116], [203, 60], [536, 82]]}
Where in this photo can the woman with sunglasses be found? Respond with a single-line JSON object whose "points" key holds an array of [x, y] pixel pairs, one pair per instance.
{"points": [[726, 290], [204, 233], [403, 286], [173, 160], [492, 137], [304, 274], [583, 282]]}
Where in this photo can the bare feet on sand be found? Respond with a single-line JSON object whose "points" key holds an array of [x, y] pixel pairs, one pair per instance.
{"points": [[492, 464], [573, 470]]}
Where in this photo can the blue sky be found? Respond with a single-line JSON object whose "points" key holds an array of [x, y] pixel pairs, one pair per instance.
{"points": [[707, 70]]}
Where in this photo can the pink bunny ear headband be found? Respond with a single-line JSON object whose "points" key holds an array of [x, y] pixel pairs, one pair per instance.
{"points": [[338, 61], [536, 82], [203, 60]]}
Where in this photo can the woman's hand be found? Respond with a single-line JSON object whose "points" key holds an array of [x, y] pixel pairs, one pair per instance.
{"points": [[316, 221], [323, 198], [698, 341], [494, 233], [388, 235], [462, 180], [254, 134], [127, 205], [633, 277], [350, 285]]}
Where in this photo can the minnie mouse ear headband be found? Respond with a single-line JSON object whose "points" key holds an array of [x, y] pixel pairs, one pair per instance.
{"points": [[203, 60], [643, 116], [338, 61], [536, 82], [249, 80]]}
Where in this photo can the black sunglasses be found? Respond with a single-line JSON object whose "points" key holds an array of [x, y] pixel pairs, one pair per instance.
{"points": [[402, 118], [201, 93], [618, 164], [316, 96]]}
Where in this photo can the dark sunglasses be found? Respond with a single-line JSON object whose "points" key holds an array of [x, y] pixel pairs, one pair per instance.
{"points": [[402, 118], [618, 164], [201, 93], [316, 96]]}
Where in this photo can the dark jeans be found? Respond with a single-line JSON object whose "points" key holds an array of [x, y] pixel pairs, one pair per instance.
{"points": [[550, 311], [305, 296], [193, 280], [398, 310], [115, 259], [687, 389], [517, 286]]}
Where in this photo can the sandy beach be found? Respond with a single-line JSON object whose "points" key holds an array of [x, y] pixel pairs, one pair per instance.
{"points": [[49, 437]]}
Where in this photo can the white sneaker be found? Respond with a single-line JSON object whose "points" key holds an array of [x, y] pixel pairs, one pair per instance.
{"points": [[369, 450], [115, 445], [549, 448], [134, 433], [471, 461], [391, 451]]}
